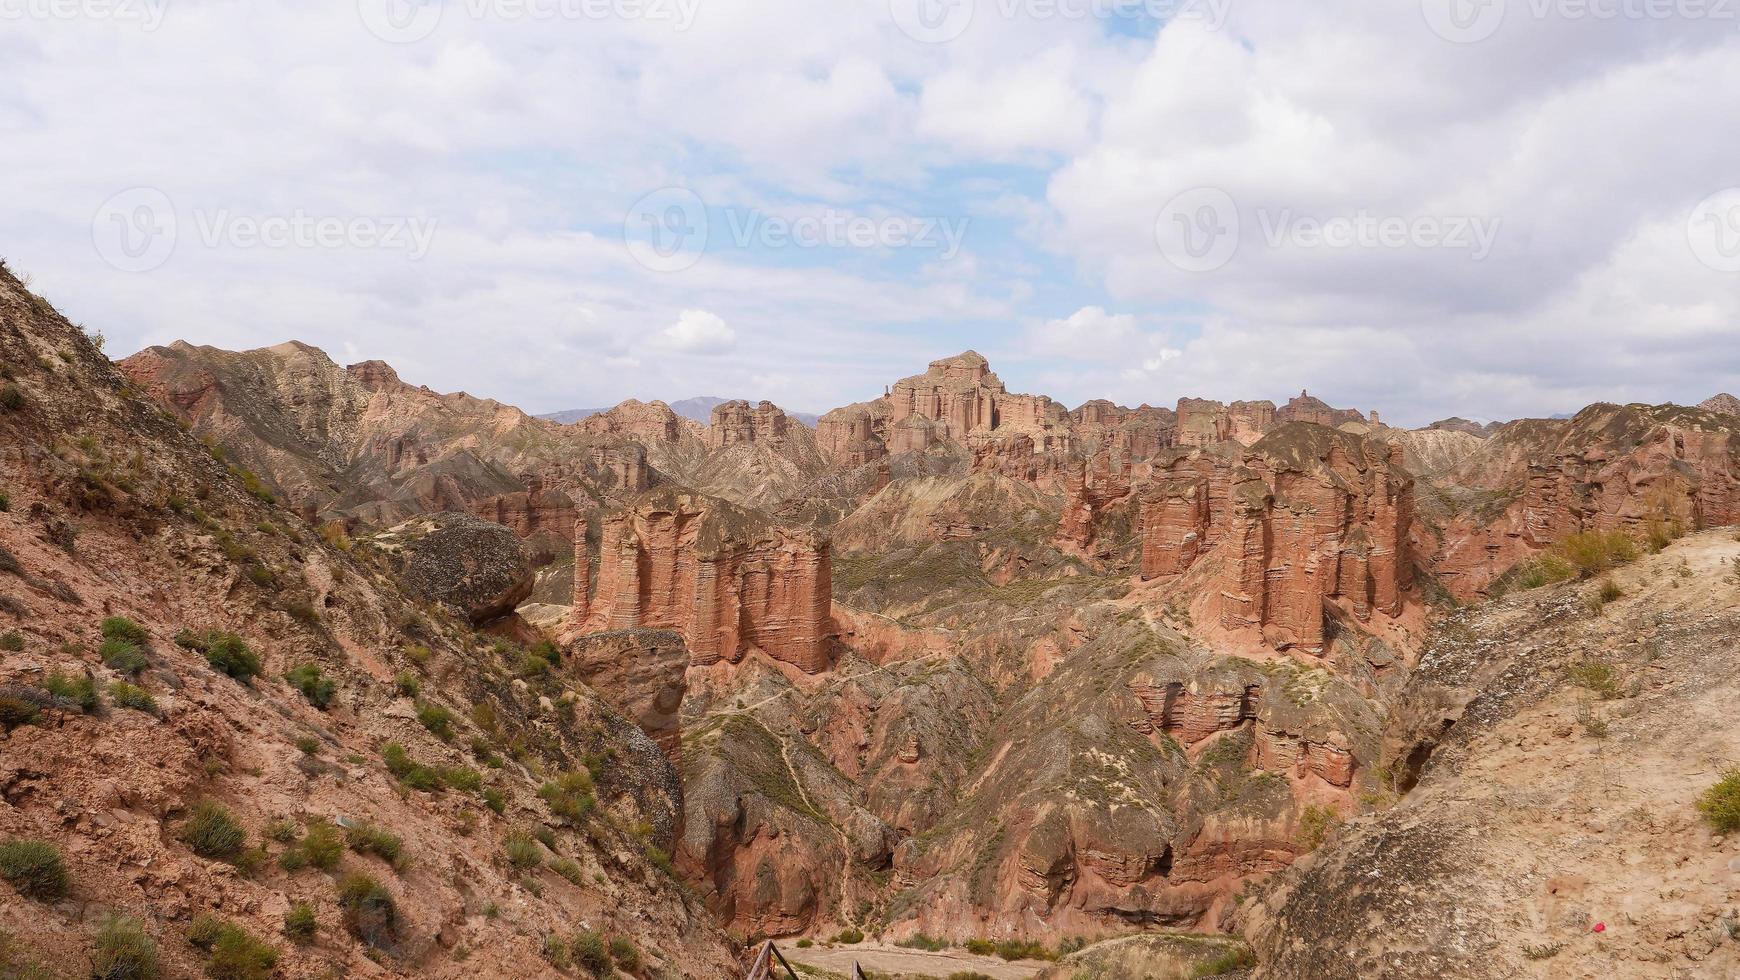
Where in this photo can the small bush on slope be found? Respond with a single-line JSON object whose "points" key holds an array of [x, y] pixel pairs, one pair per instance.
{"points": [[1720, 804], [34, 868]]}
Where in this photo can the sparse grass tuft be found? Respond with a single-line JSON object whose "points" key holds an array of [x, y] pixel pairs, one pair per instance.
{"points": [[232, 953], [849, 936], [625, 953], [1231, 961], [33, 867], [369, 911], [1720, 804], [300, 924], [318, 689], [126, 695], [1594, 552], [212, 832], [79, 690], [123, 656], [1597, 677], [1315, 826], [591, 952], [122, 628], [366, 838], [437, 719], [124, 952], [12, 641], [522, 850], [226, 652], [569, 795]]}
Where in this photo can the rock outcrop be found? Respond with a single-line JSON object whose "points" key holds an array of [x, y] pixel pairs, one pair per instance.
{"points": [[738, 421], [1310, 515], [477, 568], [728, 581], [1203, 423], [640, 673], [649, 422], [1723, 404]]}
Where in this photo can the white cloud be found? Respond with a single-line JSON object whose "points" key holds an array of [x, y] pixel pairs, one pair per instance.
{"points": [[696, 332]]}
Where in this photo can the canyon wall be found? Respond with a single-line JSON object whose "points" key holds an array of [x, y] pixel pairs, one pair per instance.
{"points": [[1308, 515], [728, 581]]}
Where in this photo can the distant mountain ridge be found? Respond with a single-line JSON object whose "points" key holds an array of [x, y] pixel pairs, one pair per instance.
{"points": [[700, 409]]}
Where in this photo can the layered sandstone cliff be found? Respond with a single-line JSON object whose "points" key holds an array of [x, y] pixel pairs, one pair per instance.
{"points": [[728, 581], [1308, 516]]}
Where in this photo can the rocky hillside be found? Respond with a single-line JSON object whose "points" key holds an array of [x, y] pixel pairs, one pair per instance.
{"points": [[1553, 747], [960, 664], [231, 742]]}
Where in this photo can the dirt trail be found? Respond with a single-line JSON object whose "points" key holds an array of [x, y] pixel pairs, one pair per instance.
{"points": [[884, 958]]}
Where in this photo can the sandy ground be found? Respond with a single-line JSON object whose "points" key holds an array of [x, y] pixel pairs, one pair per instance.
{"points": [[885, 958]]}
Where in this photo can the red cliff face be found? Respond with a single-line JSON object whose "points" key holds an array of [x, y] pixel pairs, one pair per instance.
{"points": [[1092, 486], [650, 422], [739, 421], [1138, 433], [1203, 423], [851, 436], [1306, 408], [534, 510], [727, 581], [1310, 516]]}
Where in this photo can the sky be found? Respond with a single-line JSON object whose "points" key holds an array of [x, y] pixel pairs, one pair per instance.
{"points": [[1485, 208]]}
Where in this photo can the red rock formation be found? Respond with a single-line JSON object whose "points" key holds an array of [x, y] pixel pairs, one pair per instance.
{"points": [[726, 580], [850, 436], [582, 603], [1305, 408], [738, 421], [640, 673], [647, 421], [1312, 515], [1093, 485], [1203, 423], [531, 511], [1138, 433]]}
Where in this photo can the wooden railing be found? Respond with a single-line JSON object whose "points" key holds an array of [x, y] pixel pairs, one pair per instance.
{"points": [[765, 958]]}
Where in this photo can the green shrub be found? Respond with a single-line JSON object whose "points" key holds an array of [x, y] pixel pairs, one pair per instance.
{"points": [[1023, 949], [569, 869], [1315, 825], [1231, 961], [12, 640], [462, 778], [522, 850], [127, 695], [123, 656], [494, 799], [805, 943], [408, 771], [590, 951], [556, 951], [980, 947], [15, 711], [300, 924], [80, 690], [1720, 804], [324, 845], [34, 868], [11, 398], [407, 684], [569, 795], [232, 953], [660, 860], [229, 654], [366, 838], [625, 953], [437, 719], [1598, 677], [921, 941], [212, 832], [307, 744], [315, 687], [123, 952], [122, 628], [369, 912], [849, 936], [5, 502], [1594, 552]]}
